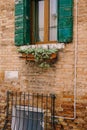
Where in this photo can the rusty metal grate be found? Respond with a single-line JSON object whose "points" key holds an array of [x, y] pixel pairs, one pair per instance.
{"points": [[30, 111]]}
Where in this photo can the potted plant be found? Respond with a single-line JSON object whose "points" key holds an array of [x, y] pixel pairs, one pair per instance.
{"points": [[42, 56]]}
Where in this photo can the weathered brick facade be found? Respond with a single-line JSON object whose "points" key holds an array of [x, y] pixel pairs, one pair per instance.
{"points": [[59, 79]]}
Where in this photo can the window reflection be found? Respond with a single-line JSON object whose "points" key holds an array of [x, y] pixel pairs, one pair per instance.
{"points": [[41, 20], [53, 21]]}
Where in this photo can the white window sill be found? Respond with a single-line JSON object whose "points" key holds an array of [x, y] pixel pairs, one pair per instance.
{"points": [[58, 46]]}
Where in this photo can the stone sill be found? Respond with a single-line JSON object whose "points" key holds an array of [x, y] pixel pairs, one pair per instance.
{"points": [[58, 46]]}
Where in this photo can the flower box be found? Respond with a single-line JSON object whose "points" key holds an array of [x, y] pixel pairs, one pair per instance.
{"points": [[44, 57], [30, 57]]}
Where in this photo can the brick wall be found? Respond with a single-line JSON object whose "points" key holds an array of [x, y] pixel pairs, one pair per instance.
{"points": [[59, 79]]}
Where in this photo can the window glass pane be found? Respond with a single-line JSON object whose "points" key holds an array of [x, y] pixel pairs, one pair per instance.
{"points": [[53, 21], [41, 20]]}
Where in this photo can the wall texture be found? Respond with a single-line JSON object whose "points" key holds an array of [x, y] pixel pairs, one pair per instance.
{"points": [[16, 75]]}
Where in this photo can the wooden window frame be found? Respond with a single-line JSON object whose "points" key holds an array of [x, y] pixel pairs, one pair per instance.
{"points": [[46, 25]]}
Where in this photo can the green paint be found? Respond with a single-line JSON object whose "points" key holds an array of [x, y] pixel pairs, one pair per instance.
{"points": [[22, 22], [65, 21]]}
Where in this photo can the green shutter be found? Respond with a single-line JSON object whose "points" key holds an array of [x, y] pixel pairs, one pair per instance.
{"points": [[65, 21], [22, 22]]}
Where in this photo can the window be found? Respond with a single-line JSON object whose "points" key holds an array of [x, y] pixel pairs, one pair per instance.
{"points": [[43, 21], [27, 118]]}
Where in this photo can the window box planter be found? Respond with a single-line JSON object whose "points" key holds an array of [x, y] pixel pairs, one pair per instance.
{"points": [[44, 56], [31, 57]]}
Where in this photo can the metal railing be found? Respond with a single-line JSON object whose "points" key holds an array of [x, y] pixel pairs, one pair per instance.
{"points": [[30, 111]]}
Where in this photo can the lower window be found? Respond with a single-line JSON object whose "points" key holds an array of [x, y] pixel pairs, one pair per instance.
{"points": [[27, 118]]}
